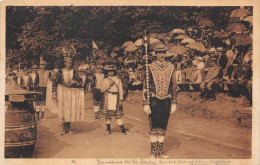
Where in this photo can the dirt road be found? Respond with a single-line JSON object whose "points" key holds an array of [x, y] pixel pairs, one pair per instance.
{"points": [[188, 137]]}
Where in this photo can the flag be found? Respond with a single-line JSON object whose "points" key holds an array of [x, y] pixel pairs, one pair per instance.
{"points": [[95, 48], [94, 45]]}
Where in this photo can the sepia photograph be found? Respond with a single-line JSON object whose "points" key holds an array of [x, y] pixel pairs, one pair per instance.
{"points": [[117, 83]]}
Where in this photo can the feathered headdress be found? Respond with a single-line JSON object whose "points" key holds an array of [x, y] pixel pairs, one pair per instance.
{"points": [[68, 51]]}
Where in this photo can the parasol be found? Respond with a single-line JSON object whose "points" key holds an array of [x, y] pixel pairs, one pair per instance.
{"points": [[206, 23], [187, 40], [239, 13], [242, 40], [127, 43], [152, 40], [131, 48], [139, 42], [221, 35], [153, 35], [249, 19], [197, 46], [178, 31], [181, 37], [178, 50], [236, 27]]}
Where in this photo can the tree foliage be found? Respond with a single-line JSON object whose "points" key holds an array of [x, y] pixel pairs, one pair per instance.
{"points": [[42, 31]]}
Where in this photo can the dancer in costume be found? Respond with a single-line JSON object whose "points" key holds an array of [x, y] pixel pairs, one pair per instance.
{"points": [[96, 83], [112, 88], [44, 75], [33, 86], [160, 99], [69, 96], [51, 104]]}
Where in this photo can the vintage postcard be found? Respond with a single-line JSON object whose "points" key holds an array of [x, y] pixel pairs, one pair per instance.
{"points": [[130, 82]]}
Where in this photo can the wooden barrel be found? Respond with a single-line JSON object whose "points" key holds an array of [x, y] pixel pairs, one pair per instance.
{"points": [[20, 128]]}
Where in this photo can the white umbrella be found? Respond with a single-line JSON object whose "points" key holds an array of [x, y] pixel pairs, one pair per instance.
{"points": [[127, 43], [178, 31], [187, 40], [139, 42], [152, 40], [249, 19], [181, 37]]}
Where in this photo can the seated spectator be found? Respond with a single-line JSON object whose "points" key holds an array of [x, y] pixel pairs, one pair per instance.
{"points": [[212, 76], [185, 67], [231, 56], [241, 82], [199, 67]]}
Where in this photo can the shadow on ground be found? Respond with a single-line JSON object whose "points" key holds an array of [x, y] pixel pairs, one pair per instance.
{"points": [[46, 140]]}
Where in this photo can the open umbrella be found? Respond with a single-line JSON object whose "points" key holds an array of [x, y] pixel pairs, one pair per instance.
{"points": [[130, 48], [153, 35], [187, 40], [152, 40], [236, 27], [177, 50], [206, 23], [166, 39], [239, 13], [242, 40], [178, 31], [248, 56], [221, 35], [249, 19], [181, 37], [161, 35], [197, 46], [127, 43], [139, 42], [116, 49]]}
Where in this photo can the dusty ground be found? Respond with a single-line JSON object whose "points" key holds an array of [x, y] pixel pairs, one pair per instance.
{"points": [[189, 134]]}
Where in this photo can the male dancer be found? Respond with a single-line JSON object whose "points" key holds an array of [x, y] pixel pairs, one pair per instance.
{"points": [[96, 83], [160, 99], [44, 75], [112, 88]]}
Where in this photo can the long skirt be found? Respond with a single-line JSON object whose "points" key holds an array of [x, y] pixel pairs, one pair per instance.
{"points": [[51, 104], [160, 115], [70, 103]]}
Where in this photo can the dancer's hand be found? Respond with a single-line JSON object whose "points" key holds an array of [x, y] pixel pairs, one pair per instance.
{"points": [[147, 109], [173, 108]]}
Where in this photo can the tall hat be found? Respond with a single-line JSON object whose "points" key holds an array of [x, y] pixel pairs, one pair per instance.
{"points": [[110, 64], [68, 52]]}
